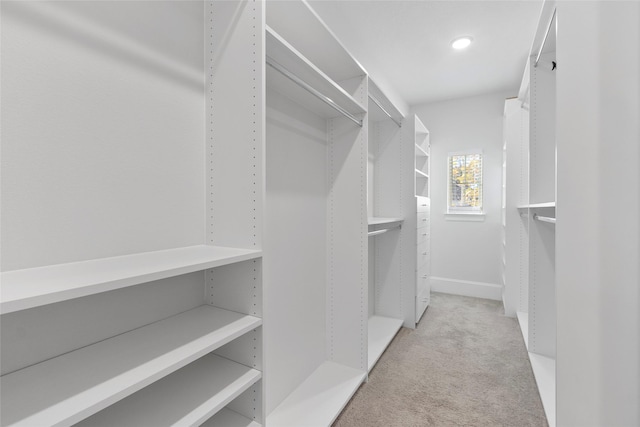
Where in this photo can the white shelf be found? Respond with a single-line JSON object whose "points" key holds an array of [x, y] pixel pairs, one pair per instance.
{"points": [[376, 221], [420, 152], [382, 330], [33, 287], [229, 418], [280, 51], [523, 321], [71, 387], [188, 397], [544, 369], [538, 205], [319, 43], [420, 174], [318, 401]]}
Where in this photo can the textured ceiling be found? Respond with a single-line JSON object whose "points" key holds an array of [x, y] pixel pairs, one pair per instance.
{"points": [[406, 44]]}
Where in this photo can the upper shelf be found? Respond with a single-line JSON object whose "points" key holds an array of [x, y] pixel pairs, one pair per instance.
{"points": [[283, 55], [75, 385], [376, 221], [298, 23], [33, 287]]}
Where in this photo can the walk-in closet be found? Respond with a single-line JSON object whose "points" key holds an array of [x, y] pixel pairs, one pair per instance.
{"points": [[317, 213]]}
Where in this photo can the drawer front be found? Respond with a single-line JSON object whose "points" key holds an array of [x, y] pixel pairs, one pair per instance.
{"points": [[422, 254], [423, 220], [422, 280], [423, 205], [422, 235]]}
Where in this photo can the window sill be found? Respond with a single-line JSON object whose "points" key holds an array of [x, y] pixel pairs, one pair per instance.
{"points": [[465, 216]]}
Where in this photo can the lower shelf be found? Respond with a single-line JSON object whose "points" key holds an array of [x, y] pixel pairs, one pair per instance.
{"points": [[187, 397], [76, 385], [318, 401], [228, 418], [381, 333], [544, 369]]}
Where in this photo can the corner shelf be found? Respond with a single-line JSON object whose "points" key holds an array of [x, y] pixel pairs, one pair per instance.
{"points": [[420, 152], [75, 385], [320, 398], [382, 330], [34, 287], [286, 56], [420, 174], [205, 386]]}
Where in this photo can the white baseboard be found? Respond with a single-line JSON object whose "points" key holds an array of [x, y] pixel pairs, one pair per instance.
{"points": [[466, 288]]}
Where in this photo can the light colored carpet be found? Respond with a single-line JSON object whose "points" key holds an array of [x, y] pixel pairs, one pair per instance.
{"points": [[465, 365]]}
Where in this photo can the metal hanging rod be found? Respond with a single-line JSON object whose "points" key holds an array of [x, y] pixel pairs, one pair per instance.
{"points": [[273, 64], [544, 40], [375, 101], [544, 218], [377, 232]]}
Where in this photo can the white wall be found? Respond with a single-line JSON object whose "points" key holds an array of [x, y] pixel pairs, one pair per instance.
{"points": [[466, 254]]}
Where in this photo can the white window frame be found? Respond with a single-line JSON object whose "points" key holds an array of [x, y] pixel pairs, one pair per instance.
{"points": [[465, 210]]}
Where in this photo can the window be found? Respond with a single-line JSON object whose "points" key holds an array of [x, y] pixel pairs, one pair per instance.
{"points": [[465, 182]]}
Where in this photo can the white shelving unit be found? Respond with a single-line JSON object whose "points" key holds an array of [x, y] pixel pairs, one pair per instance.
{"points": [[422, 159], [131, 274], [386, 230], [417, 204], [316, 228], [530, 207]]}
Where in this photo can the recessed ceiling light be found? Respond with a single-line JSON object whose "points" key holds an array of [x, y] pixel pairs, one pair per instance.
{"points": [[461, 42]]}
